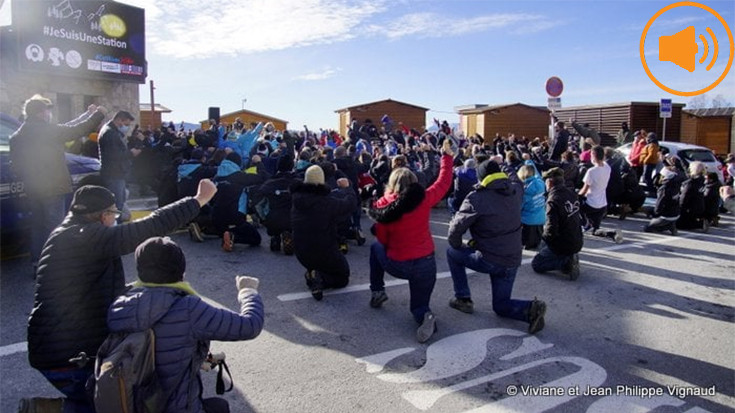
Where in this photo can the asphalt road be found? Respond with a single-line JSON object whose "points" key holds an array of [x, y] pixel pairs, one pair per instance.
{"points": [[648, 325]]}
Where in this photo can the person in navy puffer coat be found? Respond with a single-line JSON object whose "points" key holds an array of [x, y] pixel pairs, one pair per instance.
{"points": [[183, 323]]}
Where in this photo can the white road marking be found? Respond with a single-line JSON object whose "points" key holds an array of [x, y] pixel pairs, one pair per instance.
{"points": [[447, 274], [13, 348], [590, 374]]}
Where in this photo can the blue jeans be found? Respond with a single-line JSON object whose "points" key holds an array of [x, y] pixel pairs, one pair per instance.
{"points": [[420, 273], [117, 187], [547, 260], [73, 384], [47, 214], [501, 278]]}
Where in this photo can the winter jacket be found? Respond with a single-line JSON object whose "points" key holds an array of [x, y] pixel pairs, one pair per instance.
{"points": [[635, 152], [189, 175], [561, 144], [572, 177], [615, 186], [649, 154], [563, 228], [691, 198], [37, 154], [667, 199], [403, 219], [314, 217], [114, 154], [492, 213], [184, 325], [277, 191], [80, 274], [533, 210], [464, 182], [230, 203], [712, 199]]}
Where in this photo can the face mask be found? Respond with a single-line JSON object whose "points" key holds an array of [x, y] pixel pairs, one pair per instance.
{"points": [[124, 129]]}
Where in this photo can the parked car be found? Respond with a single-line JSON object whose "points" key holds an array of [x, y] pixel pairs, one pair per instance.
{"points": [[687, 153], [15, 212]]}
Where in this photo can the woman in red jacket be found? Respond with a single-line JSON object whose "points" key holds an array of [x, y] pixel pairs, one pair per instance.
{"points": [[404, 246]]}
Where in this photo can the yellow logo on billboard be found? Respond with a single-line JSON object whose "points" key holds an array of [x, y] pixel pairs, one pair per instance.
{"points": [[113, 26]]}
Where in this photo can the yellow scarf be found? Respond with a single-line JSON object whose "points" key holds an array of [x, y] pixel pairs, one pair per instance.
{"points": [[181, 285], [492, 177]]}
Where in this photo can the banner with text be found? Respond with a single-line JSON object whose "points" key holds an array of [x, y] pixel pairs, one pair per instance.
{"points": [[83, 38]]}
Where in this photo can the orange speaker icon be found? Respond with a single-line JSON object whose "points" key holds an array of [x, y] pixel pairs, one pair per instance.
{"points": [[681, 49]]}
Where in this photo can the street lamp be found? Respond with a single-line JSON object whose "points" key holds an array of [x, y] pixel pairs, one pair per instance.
{"points": [[243, 103]]}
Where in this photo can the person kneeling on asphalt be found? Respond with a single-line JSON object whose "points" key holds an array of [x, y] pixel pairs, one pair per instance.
{"points": [[182, 322], [562, 230], [667, 208], [492, 214], [81, 274], [404, 246], [314, 218]]}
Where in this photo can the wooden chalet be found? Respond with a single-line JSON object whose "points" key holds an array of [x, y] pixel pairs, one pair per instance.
{"points": [[409, 115], [516, 118]]}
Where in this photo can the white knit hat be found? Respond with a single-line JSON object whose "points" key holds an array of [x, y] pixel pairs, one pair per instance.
{"points": [[314, 175]]}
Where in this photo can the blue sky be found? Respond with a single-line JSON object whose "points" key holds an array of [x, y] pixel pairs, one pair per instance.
{"points": [[301, 60]]}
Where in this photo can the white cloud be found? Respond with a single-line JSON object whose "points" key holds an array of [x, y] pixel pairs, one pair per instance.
{"points": [[325, 74], [199, 29], [435, 25]]}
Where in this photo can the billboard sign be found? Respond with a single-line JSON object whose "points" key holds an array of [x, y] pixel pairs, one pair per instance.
{"points": [[83, 38]]}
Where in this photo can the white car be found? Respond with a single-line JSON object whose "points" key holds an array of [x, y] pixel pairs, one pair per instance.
{"points": [[687, 153]]}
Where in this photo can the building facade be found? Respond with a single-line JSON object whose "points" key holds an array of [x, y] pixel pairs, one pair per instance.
{"points": [[608, 118], [515, 118], [712, 127], [411, 116]]}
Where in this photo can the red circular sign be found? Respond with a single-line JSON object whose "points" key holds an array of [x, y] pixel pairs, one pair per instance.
{"points": [[554, 86]]}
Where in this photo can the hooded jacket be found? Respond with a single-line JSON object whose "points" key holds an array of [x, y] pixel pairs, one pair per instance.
{"points": [[533, 210], [492, 213], [80, 274], [183, 325], [403, 219], [563, 228]]}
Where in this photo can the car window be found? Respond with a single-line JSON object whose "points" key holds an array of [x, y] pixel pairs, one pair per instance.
{"points": [[700, 155]]}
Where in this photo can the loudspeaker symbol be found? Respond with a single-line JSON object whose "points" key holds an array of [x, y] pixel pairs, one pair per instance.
{"points": [[681, 49]]}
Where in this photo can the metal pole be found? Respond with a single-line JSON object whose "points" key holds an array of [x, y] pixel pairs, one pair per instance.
{"points": [[153, 104], [663, 138]]}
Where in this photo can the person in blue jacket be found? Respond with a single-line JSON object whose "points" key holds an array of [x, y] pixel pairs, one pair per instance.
{"points": [[533, 208], [182, 322]]}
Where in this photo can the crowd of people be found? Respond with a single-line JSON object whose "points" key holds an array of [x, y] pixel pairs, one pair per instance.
{"points": [[309, 191]]}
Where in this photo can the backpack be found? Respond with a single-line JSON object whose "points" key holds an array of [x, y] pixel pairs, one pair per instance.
{"points": [[125, 374]]}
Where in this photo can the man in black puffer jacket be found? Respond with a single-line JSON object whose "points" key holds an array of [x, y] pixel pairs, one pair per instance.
{"points": [[562, 230], [80, 274]]}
